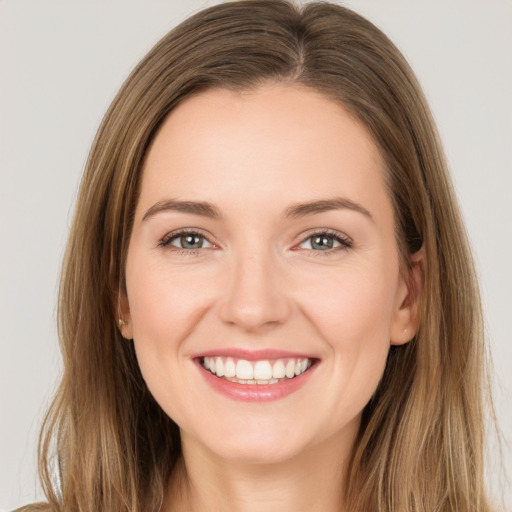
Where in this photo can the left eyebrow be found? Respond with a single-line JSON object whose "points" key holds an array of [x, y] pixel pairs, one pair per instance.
{"points": [[298, 210]]}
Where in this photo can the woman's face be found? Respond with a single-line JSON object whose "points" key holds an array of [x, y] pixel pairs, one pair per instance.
{"points": [[263, 248]]}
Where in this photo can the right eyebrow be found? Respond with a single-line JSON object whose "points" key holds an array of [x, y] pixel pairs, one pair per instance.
{"points": [[193, 207]]}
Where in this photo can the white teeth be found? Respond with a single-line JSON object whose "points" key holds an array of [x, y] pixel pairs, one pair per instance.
{"points": [[229, 368], [278, 371], [271, 381], [256, 372], [262, 370], [244, 370], [290, 368], [219, 365]]}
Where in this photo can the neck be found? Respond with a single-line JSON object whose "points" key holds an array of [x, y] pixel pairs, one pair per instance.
{"points": [[312, 480]]}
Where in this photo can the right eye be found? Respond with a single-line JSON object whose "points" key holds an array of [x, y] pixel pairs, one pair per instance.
{"points": [[185, 241]]}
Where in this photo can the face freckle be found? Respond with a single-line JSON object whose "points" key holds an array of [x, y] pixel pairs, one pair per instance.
{"points": [[289, 253]]}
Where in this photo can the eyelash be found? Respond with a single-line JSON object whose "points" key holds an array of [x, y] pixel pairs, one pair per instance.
{"points": [[344, 241]]}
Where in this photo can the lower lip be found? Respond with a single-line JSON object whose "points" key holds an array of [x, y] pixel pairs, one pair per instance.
{"points": [[256, 392]]}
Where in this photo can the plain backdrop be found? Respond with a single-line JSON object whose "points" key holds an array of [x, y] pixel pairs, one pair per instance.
{"points": [[61, 62]]}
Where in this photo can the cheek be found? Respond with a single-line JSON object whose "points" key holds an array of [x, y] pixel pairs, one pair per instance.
{"points": [[353, 302], [164, 305], [165, 308], [354, 319]]}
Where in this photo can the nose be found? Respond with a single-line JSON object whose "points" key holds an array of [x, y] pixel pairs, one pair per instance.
{"points": [[255, 297]]}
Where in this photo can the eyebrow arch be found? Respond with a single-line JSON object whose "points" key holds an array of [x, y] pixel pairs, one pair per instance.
{"points": [[294, 211], [193, 207], [299, 210]]}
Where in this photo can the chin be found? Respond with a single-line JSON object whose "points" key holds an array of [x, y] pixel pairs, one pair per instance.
{"points": [[258, 453], [256, 444]]}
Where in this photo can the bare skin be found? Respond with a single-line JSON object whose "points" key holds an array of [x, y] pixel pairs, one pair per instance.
{"points": [[311, 481], [324, 284]]}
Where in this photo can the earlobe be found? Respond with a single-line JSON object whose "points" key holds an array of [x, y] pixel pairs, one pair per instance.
{"points": [[124, 318], [407, 313]]}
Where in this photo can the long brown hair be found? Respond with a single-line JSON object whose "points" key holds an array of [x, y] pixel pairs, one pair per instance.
{"points": [[106, 445]]}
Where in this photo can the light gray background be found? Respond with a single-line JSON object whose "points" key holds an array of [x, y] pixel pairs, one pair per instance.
{"points": [[61, 63]]}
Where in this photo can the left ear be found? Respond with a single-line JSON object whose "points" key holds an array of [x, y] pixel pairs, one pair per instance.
{"points": [[406, 316]]}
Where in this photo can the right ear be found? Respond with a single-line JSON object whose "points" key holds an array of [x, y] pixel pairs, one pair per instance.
{"points": [[124, 320]]}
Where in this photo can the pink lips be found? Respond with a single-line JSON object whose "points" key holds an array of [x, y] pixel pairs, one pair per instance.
{"points": [[253, 355], [254, 392]]}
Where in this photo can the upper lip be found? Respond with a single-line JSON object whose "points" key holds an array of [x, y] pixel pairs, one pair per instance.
{"points": [[253, 355]]}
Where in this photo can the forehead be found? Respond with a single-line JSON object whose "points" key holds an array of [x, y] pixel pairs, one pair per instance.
{"points": [[261, 149]]}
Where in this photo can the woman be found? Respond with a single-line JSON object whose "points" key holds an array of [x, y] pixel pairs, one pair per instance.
{"points": [[268, 299]]}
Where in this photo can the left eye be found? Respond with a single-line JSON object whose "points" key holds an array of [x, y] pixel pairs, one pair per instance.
{"points": [[324, 242], [187, 241]]}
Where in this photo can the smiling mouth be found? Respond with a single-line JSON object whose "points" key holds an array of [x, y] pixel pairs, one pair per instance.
{"points": [[265, 371]]}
